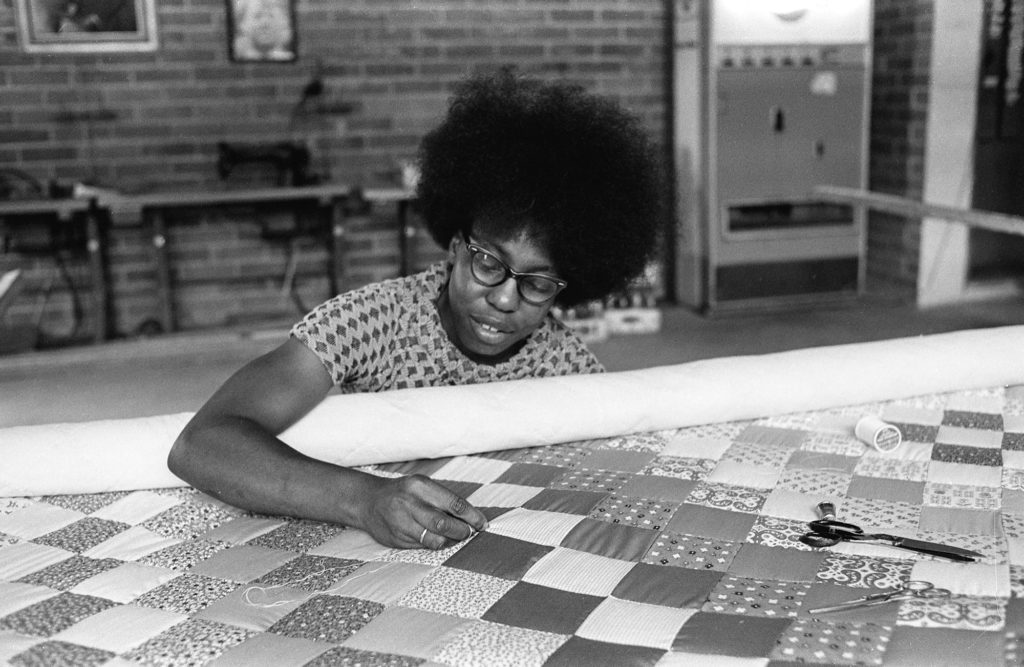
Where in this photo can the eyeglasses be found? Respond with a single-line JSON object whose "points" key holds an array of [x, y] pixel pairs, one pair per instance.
{"points": [[489, 271]]}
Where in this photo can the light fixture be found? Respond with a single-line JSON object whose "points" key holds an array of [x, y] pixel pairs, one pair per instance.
{"points": [[788, 10]]}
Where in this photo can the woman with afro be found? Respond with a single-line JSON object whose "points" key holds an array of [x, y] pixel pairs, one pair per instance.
{"points": [[543, 195]]}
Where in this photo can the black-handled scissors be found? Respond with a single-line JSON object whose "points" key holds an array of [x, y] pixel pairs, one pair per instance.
{"points": [[829, 532]]}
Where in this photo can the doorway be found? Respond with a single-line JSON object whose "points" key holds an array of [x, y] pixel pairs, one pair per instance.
{"points": [[999, 143]]}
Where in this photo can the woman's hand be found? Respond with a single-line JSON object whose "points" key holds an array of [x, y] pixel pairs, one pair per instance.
{"points": [[417, 512]]}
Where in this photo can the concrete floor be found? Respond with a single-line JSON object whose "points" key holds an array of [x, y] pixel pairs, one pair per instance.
{"points": [[176, 373]]}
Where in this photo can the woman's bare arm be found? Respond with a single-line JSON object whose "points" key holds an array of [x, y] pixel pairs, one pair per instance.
{"points": [[230, 450]]}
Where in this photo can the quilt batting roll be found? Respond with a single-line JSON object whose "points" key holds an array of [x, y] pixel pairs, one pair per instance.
{"points": [[408, 424]]}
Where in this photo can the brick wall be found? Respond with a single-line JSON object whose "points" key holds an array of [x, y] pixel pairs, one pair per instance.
{"points": [[144, 121], [899, 114]]}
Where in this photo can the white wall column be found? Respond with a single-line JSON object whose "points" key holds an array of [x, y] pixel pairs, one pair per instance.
{"points": [[949, 149]]}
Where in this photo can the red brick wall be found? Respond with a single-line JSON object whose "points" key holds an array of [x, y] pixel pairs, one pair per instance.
{"points": [[143, 121], [899, 114]]}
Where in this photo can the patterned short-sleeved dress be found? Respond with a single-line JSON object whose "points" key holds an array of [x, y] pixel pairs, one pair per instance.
{"points": [[388, 335]]}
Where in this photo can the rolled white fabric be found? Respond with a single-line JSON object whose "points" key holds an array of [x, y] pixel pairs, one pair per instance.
{"points": [[360, 429]]}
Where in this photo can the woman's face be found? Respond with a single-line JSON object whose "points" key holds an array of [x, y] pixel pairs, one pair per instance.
{"points": [[487, 323]]}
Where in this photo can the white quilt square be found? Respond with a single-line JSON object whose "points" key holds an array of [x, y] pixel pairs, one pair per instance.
{"points": [[634, 623], [536, 526], [697, 448], [974, 579], [472, 469], [502, 495], [909, 414], [1013, 458], [24, 558], [351, 543], [15, 596], [578, 572], [966, 474], [792, 505], [745, 474], [136, 507], [120, 629], [125, 582], [131, 544], [37, 519], [973, 437], [241, 530]]}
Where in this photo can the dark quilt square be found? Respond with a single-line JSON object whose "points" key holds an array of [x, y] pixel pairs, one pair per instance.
{"points": [[86, 503], [1014, 441], [667, 586], [418, 467], [917, 432], [61, 653], [297, 536], [610, 539], [658, 487], [68, 573], [826, 595], [83, 534], [772, 436], [530, 474], [331, 618], [836, 463], [52, 615], [939, 646], [982, 456], [564, 501], [619, 459], [498, 556], [310, 573], [981, 420], [493, 513], [711, 522], [730, 634], [1015, 615], [187, 594], [343, 655], [579, 651], [459, 488], [892, 490], [542, 608], [760, 562]]}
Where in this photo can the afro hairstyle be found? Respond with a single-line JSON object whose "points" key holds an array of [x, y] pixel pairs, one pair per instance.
{"points": [[572, 170]]}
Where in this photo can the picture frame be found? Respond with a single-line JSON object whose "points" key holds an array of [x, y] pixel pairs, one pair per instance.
{"points": [[86, 26], [262, 31]]}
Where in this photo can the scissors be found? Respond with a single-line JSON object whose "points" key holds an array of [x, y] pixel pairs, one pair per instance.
{"points": [[829, 532], [909, 590]]}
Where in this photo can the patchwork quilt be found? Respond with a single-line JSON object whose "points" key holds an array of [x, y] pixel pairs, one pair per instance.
{"points": [[663, 548]]}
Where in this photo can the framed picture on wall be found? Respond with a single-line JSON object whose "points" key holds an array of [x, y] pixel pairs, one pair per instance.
{"points": [[86, 26], [262, 31]]}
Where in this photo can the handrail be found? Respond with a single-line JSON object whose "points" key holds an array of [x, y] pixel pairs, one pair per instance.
{"points": [[996, 222]]}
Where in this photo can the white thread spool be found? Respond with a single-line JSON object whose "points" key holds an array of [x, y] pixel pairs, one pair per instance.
{"points": [[877, 433]]}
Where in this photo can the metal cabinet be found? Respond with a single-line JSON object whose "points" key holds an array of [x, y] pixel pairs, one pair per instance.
{"points": [[769, 104]]}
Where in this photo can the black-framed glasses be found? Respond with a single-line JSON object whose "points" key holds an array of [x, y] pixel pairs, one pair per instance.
{"points": [[488, 270]]}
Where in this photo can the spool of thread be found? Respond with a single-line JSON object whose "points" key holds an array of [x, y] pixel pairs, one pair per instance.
{"points": [[877, 433]]}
